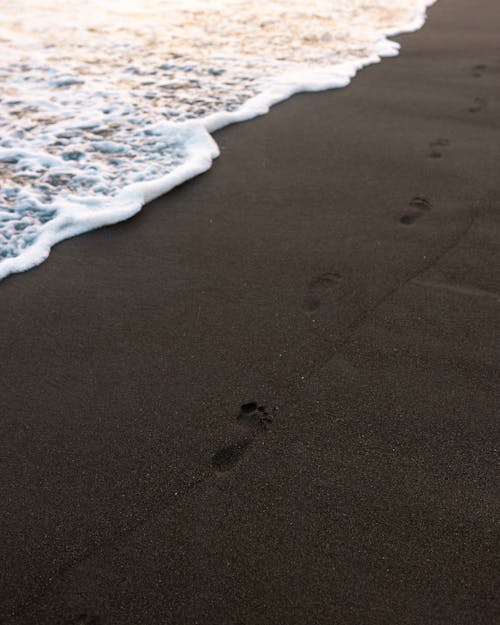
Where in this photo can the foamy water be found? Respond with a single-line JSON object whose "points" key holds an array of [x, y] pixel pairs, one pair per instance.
{"points": [[106, 105]]}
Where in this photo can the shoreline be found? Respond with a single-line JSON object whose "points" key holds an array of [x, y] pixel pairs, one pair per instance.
{"points": [[271, 396], [201, 149]]}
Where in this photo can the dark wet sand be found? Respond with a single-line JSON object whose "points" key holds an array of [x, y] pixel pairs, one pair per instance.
{"points": [[340, 267]]}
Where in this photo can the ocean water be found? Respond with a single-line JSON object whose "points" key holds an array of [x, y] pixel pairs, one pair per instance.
{"points": [[106, 105]]}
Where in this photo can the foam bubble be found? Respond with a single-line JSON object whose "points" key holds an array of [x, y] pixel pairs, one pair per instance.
{"points": [[105, 108]]}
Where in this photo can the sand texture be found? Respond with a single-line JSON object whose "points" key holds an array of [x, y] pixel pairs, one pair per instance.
{"points": [[272, 398]]}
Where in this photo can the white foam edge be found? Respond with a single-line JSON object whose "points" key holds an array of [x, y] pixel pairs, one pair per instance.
{"points": [[201, 150]]}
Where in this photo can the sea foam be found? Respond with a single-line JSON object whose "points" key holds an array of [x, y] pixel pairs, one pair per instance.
{"points": [[103, 109]]}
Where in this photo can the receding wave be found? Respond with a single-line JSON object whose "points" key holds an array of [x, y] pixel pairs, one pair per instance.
{"points": [[105, 106]]}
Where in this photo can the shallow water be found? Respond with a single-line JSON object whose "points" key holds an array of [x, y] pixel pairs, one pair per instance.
{"points": [[104, 108]]}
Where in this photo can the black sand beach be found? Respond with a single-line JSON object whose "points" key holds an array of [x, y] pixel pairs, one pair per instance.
{"points": [[272, 398]]}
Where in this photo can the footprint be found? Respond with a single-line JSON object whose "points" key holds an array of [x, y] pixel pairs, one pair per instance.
{"points": [[478, 105], [419, 201], [325, 280], [435, 151], [419, 204], [255, 416], [226, 457], [479, 70], [318, 286], [440, 141], [409, 218], [311, 304], [256, 419]]}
